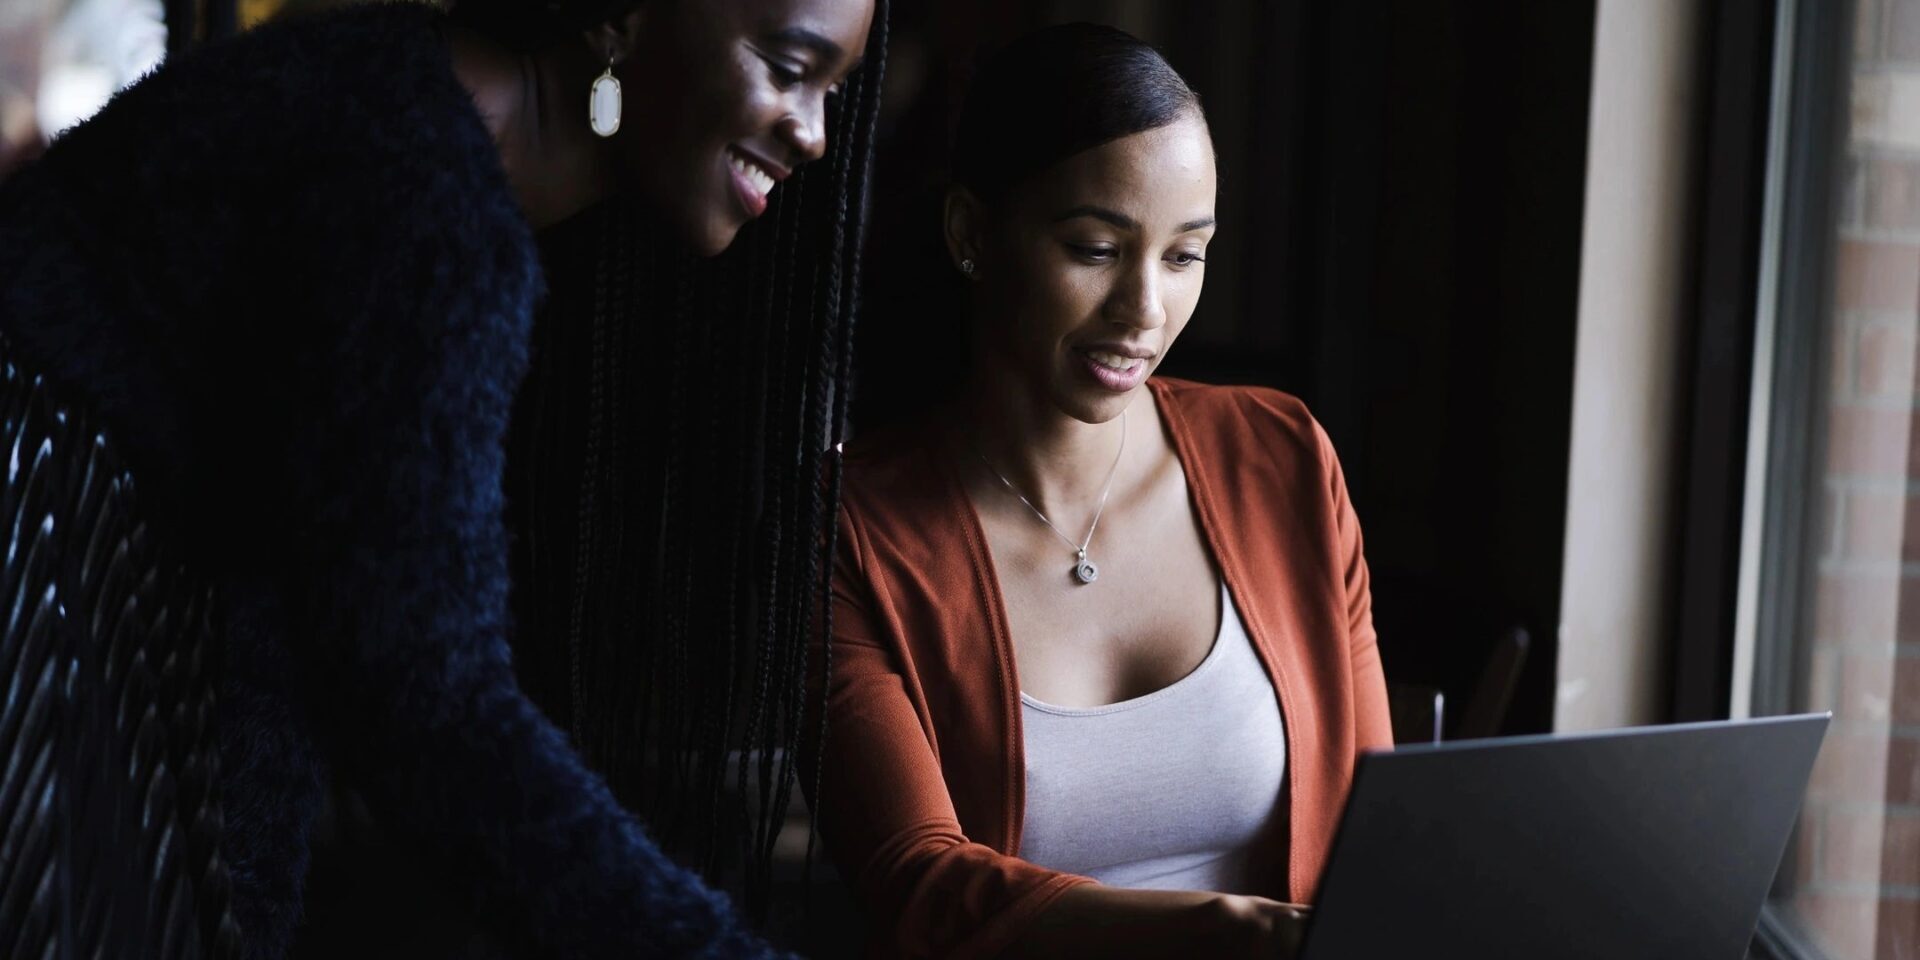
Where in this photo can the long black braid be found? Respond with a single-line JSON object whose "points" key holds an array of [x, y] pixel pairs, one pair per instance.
{"points": [[701, 486], [842, 401]]}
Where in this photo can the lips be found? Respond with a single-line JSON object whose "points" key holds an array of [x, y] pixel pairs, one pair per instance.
{"points": [[753, 179], [1117, 368]]}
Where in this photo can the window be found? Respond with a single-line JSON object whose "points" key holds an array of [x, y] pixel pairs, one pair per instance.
{"points": [[1830, 586]]}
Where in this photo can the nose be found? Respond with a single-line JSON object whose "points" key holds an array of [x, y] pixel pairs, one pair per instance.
{"points": [[804, 129], [1136, 300]]}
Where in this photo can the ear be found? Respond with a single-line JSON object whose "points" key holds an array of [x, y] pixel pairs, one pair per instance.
{"points": [[963, 220], [616, 39]]}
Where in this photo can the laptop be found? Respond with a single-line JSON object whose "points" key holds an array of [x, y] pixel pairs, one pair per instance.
{"points": [[1647, 843]]}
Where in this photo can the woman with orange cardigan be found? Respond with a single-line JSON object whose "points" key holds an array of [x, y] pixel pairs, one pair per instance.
{"points": [[1102, 653]]}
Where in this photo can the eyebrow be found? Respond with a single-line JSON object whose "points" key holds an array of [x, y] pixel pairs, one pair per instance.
{"points": [[822, 47], [1123, 221]]}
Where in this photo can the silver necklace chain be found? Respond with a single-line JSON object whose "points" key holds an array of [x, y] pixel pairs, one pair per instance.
{"points": [[1084, 570]]}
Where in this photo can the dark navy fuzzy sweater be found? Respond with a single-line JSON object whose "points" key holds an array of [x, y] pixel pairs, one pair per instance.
{"points": [[289, 274]]}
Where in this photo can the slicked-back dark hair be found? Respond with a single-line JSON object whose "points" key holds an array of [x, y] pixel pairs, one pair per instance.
{"points": [[685, 565], [1056, 92], [1035, 102]]}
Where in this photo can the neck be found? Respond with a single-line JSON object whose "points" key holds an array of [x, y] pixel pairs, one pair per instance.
{"points": [[554, 163], [1059, 463]]}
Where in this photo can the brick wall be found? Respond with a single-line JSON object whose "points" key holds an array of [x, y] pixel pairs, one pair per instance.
{"points": [[1857, 868]]}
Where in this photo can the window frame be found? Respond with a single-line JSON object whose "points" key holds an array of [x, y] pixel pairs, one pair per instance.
{"points": [[1738, 57], [1794, 312]]}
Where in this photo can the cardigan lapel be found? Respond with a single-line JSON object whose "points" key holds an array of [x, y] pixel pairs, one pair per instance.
{"points": [[1004, 698], [1265, 621]]}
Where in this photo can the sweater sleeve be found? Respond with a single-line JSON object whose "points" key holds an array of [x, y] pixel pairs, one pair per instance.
{"points": [[1372, 722], [398, 581], [884, 811]]}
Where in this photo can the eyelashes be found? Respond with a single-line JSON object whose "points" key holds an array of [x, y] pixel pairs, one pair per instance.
{"points": [[1096, 254], [787, 76], [784, 76]]}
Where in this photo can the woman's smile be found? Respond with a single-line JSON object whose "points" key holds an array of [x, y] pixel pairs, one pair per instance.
{"points": [[753, 179], [1116, 367]]}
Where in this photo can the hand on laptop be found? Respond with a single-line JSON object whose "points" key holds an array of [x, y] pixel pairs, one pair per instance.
{"points": [[1116, 923], [1274, 929]]}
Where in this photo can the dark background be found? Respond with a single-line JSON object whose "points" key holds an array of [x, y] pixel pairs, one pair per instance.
{"points": [[1401, 191]]}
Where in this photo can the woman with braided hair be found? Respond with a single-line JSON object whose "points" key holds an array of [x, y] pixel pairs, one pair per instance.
{"points": [[294, 274], [668, 521]]}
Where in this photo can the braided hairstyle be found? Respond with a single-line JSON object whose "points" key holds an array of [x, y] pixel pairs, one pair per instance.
{"points": [[700, 511]]}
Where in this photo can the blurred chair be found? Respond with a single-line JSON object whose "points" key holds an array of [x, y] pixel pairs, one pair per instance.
{"points": [[1419, 714], [109, 811], [1486, 710]]}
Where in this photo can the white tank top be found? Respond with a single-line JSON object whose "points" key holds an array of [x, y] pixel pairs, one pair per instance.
{"points": [[1175, 790]]}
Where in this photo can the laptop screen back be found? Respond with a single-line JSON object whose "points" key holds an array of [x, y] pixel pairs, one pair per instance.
{"points": [[1647, 843]]}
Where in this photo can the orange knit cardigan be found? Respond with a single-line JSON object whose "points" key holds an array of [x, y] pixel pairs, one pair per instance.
{"points": [[924, 776]]}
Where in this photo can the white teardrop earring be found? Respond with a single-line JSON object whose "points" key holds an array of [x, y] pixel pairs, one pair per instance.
{"points": [[966, 267], [603, 103]]}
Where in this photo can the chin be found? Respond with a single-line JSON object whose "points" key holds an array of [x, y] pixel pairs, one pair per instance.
{"points": [[712, 243], [709, 235], [1088, 407], [705, 231]]}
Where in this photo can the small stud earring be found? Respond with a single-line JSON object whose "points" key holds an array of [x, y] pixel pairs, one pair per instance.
{"points": [[603, 103], [966, 267]]}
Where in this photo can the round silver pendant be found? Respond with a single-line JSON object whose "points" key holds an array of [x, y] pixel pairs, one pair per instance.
{"points": [[1085, 571]]}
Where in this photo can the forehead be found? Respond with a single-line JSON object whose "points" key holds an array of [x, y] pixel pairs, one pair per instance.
{"points": [[1158, 177], [843, 22]]}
